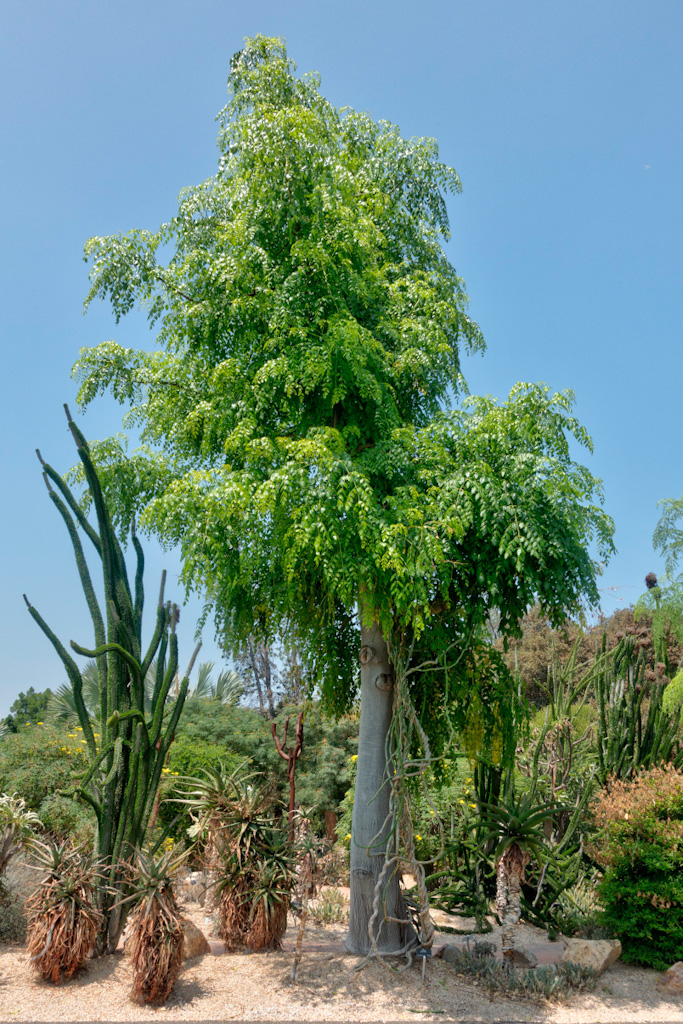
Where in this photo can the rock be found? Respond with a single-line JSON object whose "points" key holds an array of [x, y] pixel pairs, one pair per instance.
{"points": [[671, 982], [195, 940], [595, 953], [452, 954], [521, 956]]}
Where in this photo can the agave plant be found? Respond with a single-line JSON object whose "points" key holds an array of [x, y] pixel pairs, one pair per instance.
{"points": [[17, 830], [235, 820], [516, 827], [157, 935], [63, 919]]}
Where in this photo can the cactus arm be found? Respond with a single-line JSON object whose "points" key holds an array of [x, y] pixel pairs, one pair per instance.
{"points": [[139, 584], [81, 564], [158, 635], [158, 707], [71, 502], [123, 831], [134, 713], [104, 649], [88, 797], [166, 743], [160, 668], [74, 675], [96, 764]]}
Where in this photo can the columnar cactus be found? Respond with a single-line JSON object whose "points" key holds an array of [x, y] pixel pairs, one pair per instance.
{"points": [[127, 758]]}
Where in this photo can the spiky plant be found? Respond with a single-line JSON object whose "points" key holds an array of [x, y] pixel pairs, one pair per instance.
{"points": [[157, 935], [18, 827], [234, 819], [135, 730], [516, 827], [63, 919]]}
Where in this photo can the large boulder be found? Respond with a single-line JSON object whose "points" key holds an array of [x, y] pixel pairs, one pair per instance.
{"points": [[595, 953], [196, 943], [671, 982]]}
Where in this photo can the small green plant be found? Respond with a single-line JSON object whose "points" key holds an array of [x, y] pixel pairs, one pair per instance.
{"points": [[18, 827], [640, 848], [552, 982], [331, 907], [63, 919], [157, 935]]}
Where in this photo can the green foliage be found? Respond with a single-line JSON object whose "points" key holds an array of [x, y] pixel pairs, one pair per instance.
{"points": [[640, 847], [668, 535], [310, 333], [672, 697], [323, 772], [39, 762], [31, 707]]}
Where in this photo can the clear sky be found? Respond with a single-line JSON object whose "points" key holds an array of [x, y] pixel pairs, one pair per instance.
{"points": [[563, 121]]}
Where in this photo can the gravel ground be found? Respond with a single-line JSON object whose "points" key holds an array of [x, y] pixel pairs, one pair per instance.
{"points": [[258, 987]]}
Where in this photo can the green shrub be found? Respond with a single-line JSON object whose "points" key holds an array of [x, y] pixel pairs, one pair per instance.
{"points": [[331, 907], [640, 847], [63, 816], [672, 697], [39, 761]]}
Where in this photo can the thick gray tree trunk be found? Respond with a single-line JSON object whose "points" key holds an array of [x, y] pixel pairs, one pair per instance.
{"points": [[371, 805]]}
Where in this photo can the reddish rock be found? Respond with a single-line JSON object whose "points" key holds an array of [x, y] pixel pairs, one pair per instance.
{"points": [[671, 982], [195, 940]]}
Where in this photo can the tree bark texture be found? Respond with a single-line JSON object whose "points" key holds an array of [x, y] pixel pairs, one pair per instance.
{"points": [[371, 805], [514, 862]]}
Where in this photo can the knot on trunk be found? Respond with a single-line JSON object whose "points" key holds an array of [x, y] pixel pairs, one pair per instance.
{"points": [[384, 681], [367, 654]]}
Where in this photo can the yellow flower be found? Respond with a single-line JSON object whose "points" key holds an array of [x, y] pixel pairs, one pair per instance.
{"points": [[473, 805], [165, 770], [39, 723], [468, 780], [78, 728], [419, 838], [461, 801], [174, 773], [348, 836], [432, 811], [354, 757]]}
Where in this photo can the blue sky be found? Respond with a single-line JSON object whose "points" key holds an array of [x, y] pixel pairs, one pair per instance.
{"points": [[563, 121]]}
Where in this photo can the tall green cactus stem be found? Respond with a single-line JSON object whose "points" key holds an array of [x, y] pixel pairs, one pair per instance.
{"points": [[628, 736], [126, 760]]}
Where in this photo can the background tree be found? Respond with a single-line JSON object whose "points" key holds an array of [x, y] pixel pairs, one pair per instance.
{"points": [[28, 708], [294, 438]]}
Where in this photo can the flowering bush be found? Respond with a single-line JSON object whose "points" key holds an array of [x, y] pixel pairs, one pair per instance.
{"points": [[640, 847]]}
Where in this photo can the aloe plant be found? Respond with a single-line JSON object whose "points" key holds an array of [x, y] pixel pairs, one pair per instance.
{"points": [[134, 735]]}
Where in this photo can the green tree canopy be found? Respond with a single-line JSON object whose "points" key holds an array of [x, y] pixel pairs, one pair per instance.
{"points": [[295, 442], [30, 707]]}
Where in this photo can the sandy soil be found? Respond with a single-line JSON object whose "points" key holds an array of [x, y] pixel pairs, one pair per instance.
{"points": [[258, 987]]}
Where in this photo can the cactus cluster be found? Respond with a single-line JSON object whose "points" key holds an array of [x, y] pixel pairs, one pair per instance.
{"points": [[633, 732], [127, 757]]}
